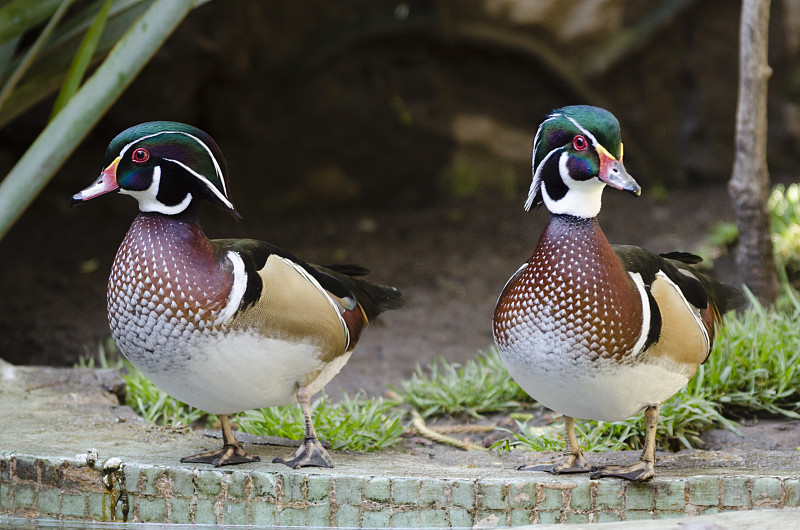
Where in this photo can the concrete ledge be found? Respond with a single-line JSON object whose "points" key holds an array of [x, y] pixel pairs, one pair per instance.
{"points": [[36, 487], [53, 417]]}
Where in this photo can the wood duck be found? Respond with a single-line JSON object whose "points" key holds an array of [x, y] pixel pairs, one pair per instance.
{"points": [[593, 330], [224, 325]]}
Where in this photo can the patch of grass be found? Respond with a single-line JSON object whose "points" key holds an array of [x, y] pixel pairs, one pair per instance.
{"points": [[358, 423], [784, 207], [479, 386], [754, 365], [106, 357]]}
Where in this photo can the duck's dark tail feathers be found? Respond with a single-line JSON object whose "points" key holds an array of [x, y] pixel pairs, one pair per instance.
{"points": [[374, 299], [726, 298]]}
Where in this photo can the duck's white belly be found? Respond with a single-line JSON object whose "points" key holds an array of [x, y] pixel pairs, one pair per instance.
{"points": [[238, 371], [598, 389]]}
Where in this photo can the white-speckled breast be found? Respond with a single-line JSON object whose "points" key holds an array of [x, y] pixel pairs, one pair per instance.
{"points": [[166, 291]]}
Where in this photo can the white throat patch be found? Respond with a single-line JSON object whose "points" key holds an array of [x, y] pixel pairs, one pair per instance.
{"points": [[583, 198], [148, 201]]}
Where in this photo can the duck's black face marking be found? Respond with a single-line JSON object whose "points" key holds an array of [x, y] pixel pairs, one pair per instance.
{"points": [[135, 171]]}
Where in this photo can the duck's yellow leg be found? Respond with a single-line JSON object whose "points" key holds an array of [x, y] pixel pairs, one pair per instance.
{"points": [[231, 452], [573, 461], [310, 452], [644, 468]]}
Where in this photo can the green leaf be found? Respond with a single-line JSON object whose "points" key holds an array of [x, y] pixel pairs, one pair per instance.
{"points": [[7, 53], [19, 16], [33, 52], [82, 58], [46, 75]]}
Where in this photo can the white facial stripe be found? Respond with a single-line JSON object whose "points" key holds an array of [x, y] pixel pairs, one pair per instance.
{"points": [[537, 179], [208, 184], [217, 168], [538, 134], [583, 197], [148, 201], [585, 132]]}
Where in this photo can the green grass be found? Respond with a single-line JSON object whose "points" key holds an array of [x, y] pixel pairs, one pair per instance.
{"points": [[358, 423], [784, 205], [754, 366], [479, 386]]}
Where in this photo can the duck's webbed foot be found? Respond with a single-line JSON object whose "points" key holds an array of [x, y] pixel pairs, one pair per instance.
{"points": [[644, 468], [310, 453], [230, 454], [571, 463], [641, 470]]}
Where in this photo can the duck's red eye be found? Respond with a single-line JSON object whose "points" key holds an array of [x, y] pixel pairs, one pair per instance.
{"points": [[579, 142], [140, 156]]}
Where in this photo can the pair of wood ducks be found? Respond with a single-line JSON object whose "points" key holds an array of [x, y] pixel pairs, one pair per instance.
{"points": [[588, 329]]}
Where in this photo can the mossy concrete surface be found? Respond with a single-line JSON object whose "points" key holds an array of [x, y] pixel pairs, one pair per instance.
{"points": [[70, 451]]}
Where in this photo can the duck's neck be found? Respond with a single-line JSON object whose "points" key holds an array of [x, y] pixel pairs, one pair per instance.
{"points": [[578, 246], [579, 240]]}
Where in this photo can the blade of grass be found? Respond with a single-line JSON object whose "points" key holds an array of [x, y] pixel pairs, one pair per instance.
{"points": [[80, 22], [80, 62]]}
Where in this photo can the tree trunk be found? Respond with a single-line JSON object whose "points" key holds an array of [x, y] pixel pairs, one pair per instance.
{"points": [[749, 184]]}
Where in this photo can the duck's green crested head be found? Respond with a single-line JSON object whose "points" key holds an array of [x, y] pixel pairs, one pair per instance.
{"points": [[167, 166], [576, 152]]}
